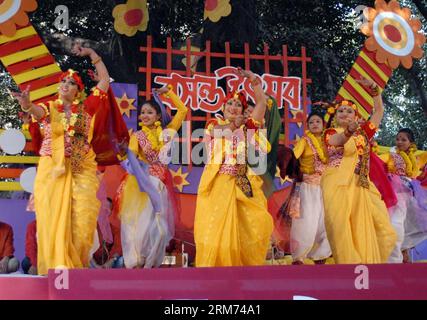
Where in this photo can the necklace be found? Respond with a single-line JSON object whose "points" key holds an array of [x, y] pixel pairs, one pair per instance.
{"points": [[410, 161], [68, 124], [317, 146]]}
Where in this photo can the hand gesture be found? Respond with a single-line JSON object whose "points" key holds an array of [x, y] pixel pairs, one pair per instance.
{"points": [[353, 125], [323, 104], [361, 122], [244, 73], [93, 75], [80, 51], [23, 98], [162, 90], [367, 82]]}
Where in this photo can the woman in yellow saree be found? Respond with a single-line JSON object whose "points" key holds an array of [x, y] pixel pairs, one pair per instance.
{"points": [[356, 218], [232, 223], [66, 184], [148, 220]]}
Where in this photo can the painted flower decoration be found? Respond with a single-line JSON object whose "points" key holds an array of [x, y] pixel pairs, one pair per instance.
{"points": [[14, 13], [131, 17], [216, 9], [393, 35]]}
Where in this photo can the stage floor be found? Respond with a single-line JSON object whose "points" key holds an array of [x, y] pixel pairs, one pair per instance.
{"points": [[323, 282]]}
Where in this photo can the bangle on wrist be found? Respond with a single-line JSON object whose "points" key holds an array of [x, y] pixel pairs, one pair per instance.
{"points": [[96, 60], [28, 109], [375, 91]]}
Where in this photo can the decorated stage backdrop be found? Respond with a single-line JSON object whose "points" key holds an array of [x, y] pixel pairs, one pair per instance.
{"points": [[394, 38]]}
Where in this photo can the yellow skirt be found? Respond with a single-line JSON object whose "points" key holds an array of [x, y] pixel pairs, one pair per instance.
{"points": [[66, 211], [231, 229], [357, 222]]}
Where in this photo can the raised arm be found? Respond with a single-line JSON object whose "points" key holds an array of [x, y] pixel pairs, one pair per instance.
{"points": [[260, 99], [101, 69], [23, 98], [378, 113], [182, 110]]}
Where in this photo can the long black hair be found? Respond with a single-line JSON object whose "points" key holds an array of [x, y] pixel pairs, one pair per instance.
{"points": [[316, 113]]}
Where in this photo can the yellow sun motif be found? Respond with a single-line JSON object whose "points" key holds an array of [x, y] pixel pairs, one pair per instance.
{"points": [[179, 179], [125, 105], [131, 17], [216, 9]]}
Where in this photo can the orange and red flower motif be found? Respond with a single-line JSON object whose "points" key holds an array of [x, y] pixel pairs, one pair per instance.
{"points": [[216, 9], [131, 17], [393, 35], [14, 13]]}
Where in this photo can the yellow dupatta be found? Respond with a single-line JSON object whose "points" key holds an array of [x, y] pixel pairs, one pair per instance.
{"points": [[58, 149]]}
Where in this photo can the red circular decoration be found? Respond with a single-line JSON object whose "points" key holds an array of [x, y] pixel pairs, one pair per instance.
{"points": [[1, 1], [210, 5], [134, 17], [177, 180], [392, 33], [124, 104]]}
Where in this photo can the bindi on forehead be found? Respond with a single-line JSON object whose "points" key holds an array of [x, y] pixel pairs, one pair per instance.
{"points": [[234, 100], [345, 108], [69, 79]]}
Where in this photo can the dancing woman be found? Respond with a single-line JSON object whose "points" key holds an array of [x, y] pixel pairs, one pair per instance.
{"points": [[232, 224], [308, 233], [409, 215], [147, 204], [66, 183], [356, 219]]}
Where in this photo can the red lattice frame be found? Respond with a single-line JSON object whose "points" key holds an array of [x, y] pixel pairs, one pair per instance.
{"points": [[169, 51]]}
